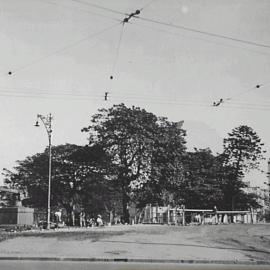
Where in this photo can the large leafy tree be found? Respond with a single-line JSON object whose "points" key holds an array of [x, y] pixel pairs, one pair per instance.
{"points": [[201, 188], [242, 152], [243, 149], [168, 157], [141, 147], [77, 179], [167, 171]]}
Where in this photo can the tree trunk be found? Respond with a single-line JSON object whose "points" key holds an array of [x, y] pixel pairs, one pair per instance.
{"points": [[69, 211], [237, 170], [111, 217], [125, 200], [233, 202]]}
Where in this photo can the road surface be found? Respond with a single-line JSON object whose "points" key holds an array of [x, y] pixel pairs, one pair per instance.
{"points": [[47, 265], [223, 243]]}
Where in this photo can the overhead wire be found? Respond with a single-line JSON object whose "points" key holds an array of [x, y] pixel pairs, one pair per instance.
{"points": [[262, 104], [204, 32], [154, 98], [145, 19], [129, 95], [249, 90], [65, 48], [117, 50], [227, 100], [41, 94], [121, 34], [110, 9], [191, 104], [78, 9], [126, 20], [174, 25], [87, 96], [87, 3], [48, 96], [202, 39], [72, 93], [178, 26], [181, 27], [79, 93], [27, 90], [245, 108], [35, 91], [198, 103], [115, 60], [235, 104]]}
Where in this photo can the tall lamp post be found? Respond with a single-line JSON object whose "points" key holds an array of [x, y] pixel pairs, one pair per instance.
{"points": [[47, 122]]}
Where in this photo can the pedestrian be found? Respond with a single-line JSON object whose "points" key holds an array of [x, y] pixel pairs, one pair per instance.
{"points": [[215, 221], [99, 221], [58, 215], [72, 218], [92, 222], [82, 219]]}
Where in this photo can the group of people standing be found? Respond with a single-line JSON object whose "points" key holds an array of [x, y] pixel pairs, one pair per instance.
{"points": [[90, 221], [79, 219]]}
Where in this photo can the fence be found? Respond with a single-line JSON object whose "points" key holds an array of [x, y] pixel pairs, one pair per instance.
{"points": [[181, 216], [16, 216]]}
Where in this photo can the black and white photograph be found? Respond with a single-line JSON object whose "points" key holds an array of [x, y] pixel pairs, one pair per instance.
{"points": [[134, 134]]}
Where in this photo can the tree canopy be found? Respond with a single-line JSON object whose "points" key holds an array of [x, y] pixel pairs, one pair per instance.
{"points": [[142, 148], [242, 152], [78, 181], [134, 156]]}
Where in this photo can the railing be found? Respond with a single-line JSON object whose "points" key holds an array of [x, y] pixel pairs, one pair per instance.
{"points": [[174, 216]]}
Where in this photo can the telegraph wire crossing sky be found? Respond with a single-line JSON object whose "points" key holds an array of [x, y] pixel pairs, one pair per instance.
{"points": [[207, 63]]}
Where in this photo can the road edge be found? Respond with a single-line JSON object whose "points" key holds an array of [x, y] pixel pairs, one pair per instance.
{"points": [[179, 261]]}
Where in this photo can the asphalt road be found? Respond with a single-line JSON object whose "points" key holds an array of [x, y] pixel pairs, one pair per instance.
{"points": [[48, 265]]}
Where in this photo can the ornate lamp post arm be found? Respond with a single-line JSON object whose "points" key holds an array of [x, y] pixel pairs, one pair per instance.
{"points": [[47, 122]]}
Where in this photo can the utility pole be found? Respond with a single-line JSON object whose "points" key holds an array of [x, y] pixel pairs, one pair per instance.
{"points": [[47, 122]]}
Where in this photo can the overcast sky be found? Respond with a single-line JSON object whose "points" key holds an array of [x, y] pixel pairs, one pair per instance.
{"points": [[62, 53]]}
